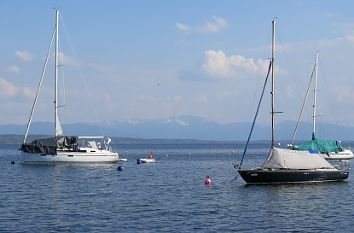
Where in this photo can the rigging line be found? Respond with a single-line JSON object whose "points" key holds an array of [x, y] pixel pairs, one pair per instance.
{"points": [[285, 57], [258, 82], [83, 79], [39, 87], [64, 90], [234, 156], [303, 106], [329, 101], [234, 179], [255, 117]]}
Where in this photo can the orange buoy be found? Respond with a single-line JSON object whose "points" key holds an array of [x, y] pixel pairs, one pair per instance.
{"points": [[207, 180]]}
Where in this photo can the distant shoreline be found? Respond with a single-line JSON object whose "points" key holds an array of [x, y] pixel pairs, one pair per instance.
{"points": [[18, 139]]}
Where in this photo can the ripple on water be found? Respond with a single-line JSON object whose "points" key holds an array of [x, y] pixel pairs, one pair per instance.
{"points": [[168, 196]]}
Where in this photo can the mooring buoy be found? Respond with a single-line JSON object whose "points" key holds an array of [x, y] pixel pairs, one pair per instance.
{"points": [[207, 180]]}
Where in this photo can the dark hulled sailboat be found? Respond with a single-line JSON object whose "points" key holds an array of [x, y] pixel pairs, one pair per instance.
{"points": [[285, 165]]}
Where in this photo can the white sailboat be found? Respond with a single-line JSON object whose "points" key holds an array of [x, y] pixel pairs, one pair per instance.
{"points": [[287, 165], [60, 148], [328, 149]]}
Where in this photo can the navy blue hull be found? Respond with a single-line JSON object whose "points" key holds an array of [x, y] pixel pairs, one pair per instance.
{"points": [[254, 176]]}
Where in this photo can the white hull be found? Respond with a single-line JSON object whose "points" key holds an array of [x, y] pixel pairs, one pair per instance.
{"points": [[342, 155], [70, 157], [147, 160], [60, 148]]}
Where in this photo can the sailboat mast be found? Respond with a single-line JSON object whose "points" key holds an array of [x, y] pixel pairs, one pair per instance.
{"points": [[273, 81], [314, 113], [56, 72]]}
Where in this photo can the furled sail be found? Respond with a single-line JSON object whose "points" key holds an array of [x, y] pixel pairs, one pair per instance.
{"points": [[58, 129], [295, 159]]}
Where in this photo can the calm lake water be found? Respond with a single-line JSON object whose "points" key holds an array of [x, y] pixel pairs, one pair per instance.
{"points": [[168, 196]]}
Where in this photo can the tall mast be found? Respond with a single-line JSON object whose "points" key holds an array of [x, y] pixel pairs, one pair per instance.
{"points": [[56, 72], [314, 113], [273, 77]]}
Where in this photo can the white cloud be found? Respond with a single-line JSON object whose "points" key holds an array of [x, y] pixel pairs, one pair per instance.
{"points": [[180, 122], [29, 92], [215, 25], [219, 65], [24, 55], [7, 89], [289, 91], [67, 60], [167, 121], [345, 95], [183, 27], [14, 69], [71, 61], [347, 40]]}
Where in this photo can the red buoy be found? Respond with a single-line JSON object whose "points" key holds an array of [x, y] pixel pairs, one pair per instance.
{"points": [[207, 180]]}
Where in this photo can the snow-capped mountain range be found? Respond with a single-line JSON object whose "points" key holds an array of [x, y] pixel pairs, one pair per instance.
{"points": [[186, 127]]}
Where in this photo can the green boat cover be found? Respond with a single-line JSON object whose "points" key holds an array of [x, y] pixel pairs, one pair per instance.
{"points": [[323, 146]]}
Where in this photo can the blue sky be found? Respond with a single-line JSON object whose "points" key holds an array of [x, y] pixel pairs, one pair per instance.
{"points": [[138, 60]]}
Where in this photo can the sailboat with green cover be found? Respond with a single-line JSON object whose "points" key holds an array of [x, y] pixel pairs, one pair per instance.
{"points": [[287, 165], [328, 149]]}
